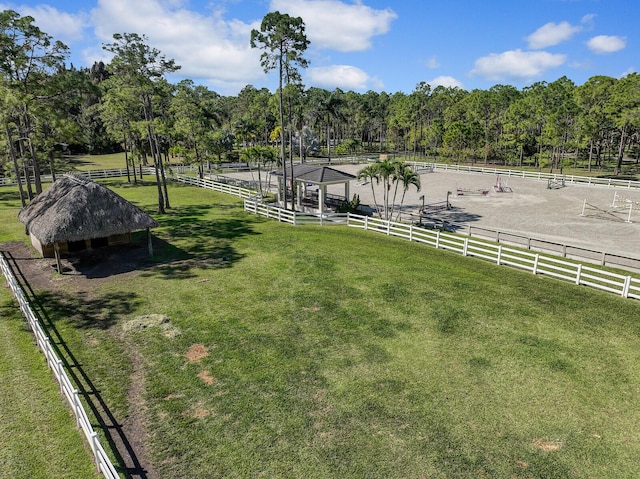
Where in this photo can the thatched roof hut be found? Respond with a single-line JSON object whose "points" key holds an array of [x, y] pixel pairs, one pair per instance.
{"points": [[75, 214]]}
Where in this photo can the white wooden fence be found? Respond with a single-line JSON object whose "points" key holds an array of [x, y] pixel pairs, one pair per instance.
{"points": [[217, 186], [103, 463], [295, 218], [626, 286], [533, 175]]}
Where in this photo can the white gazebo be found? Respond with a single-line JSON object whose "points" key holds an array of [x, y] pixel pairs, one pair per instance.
{"points": [[305, 176]]}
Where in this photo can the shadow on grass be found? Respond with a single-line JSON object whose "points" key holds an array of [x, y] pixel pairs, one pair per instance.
{"points": [[10, 195], [50, 308], [188, 240], [193, 241]]}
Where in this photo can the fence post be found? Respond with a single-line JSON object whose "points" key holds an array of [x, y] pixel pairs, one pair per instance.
{"points": [[437, 239], [466, 246], [366, 223], [499, 254], [410, 232], [603, 261], [626, 287], [578, 273], [76, 407], [44, 344], [388, 227], [535, 263], [93, 440], [59, 373]]}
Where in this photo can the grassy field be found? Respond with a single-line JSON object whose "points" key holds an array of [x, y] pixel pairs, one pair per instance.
{"points": [[38, 437], [37, 432], [333, 352]]}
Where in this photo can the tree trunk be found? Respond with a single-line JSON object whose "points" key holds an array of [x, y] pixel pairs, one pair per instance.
{"points": [[282, 155], [623, 140], [126, 162], [16, 168], [156, 165]]}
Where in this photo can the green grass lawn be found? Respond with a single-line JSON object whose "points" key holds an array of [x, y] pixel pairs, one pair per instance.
{"points": [[331, 352], [37, 432]]}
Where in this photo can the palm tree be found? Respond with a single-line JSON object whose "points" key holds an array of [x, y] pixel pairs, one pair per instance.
{"points": [[386, 170], [370, 173], [328, 107], [408, 178], [261, 156], [247, 130]]}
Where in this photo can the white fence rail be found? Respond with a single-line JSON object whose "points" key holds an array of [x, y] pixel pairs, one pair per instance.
{"points": [[295, 218], [103, 463], [626, 286], [533, 175], [217, 186]]}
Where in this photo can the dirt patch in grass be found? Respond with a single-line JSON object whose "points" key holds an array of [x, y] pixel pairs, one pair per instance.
{"points": [[206, 377], [547, 446], [199, 411], [141, 323], [196, 353]]}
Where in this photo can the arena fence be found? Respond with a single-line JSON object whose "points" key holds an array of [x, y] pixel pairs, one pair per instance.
{"points": [[103, 463], [532, 175], [626, 286]]}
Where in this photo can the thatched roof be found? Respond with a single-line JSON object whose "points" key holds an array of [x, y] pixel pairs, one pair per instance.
{"points": [[318, 175], [74, 209]]}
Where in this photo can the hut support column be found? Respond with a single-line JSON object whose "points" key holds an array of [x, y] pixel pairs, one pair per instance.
{"points": [[321, 197], [149, 243], [56, 250]]}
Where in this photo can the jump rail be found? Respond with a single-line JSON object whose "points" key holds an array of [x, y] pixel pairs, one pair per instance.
{"points": [[103, 463]]}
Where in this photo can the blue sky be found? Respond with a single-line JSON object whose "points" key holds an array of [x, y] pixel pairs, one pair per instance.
{"points": [[361, 45]]}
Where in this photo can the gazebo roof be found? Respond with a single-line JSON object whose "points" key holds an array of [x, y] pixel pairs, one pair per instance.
{"points": [[74, 209], [315, 174]]}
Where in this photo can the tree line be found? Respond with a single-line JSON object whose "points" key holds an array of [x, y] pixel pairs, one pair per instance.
{"points": [[51, 110]]}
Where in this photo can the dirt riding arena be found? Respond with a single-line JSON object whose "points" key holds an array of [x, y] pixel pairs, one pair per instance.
{"points": [[527, 207]]}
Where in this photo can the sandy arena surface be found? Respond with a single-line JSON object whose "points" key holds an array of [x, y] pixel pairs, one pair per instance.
{"points": [[531, 209]]}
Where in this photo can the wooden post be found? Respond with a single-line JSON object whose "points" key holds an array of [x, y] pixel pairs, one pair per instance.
{"points": [[56, 250], [149, 242]]}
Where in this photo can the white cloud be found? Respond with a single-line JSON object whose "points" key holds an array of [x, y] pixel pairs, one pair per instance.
{"points": [[345, 77], [516, 65], [433, 63], [628, 72], [335, 25], [446, 81], [588, 20], [606, 44], [207, 47], [551, 34], [63, 26]]}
